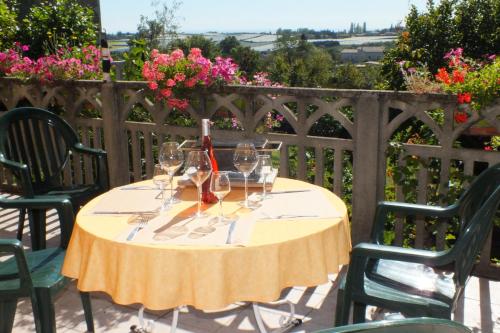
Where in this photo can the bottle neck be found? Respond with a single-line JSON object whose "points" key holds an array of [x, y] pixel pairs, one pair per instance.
{"points": [[205, 127]]}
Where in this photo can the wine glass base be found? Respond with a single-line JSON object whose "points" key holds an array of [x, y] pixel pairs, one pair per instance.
{"points": [[199, 215], [222, 220], [173, 200], [249, 204]]}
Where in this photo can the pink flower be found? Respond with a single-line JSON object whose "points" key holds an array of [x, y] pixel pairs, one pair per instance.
{"points": [[170, 83], [153, 85], [166, 92], [179, 77], [177, 54], [25, 48], [190, 82]]}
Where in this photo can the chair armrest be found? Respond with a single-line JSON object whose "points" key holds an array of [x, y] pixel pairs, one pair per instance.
{"points": [[79, 147], [403, 325], [21, 171], [102, 164], [406, 209], [61, 203], [10, 245], [375, 251], [15, 247]]}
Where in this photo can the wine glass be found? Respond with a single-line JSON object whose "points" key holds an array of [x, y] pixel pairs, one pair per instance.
{"points": [[161, 179], [264, 169], [220, 186], [171, 159], [198, 169], [245, 160]]}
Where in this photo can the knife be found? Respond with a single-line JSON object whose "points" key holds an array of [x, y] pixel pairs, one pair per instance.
{"points": [[289, 191], [230, 232]]}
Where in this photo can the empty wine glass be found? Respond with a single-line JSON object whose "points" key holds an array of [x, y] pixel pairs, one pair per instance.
{"points": [[264, 169], [220, 186], [171, 159], [161, 179], [245, 160], [198, 169]]}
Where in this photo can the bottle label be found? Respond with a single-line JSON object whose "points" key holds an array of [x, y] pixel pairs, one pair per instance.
{"points": [[205, 127]]}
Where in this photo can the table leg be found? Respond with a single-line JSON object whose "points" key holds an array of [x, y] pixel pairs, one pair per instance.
{"points": [[286, 322]]}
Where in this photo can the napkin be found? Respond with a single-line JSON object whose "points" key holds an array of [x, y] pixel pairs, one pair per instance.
{"points": [[312, 204], [128, 202]]}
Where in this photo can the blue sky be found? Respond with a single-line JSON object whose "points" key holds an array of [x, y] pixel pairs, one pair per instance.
{"points": [[262, 15]]}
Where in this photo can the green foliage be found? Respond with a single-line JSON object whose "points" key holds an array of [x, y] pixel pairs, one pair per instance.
{"points": [[134, 60], [227, 44], [58, 24], [470, 24], [8, 24], [299, 63], [248, 59], [208, 48]]}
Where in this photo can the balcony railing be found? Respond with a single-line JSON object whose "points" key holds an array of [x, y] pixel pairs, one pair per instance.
{"points": [[352, 161]]}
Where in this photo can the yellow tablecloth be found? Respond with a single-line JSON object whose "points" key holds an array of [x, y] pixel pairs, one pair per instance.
{"points": [[280, 254]]}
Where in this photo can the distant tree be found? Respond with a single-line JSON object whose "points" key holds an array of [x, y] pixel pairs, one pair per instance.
{"points": [[163, 25], [55, 24], [364, 27], [8, 23], [227, 44], [297, 62], [470, 24], [248, 59], [208, 47]]}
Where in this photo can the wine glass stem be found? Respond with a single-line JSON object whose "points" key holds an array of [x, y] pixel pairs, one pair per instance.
{"points": [[171, 177], [220, 210], [264, 187], [199, 200], [246, 189]]}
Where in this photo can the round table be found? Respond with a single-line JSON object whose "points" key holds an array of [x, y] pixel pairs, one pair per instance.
{"points": [[280, 254]]}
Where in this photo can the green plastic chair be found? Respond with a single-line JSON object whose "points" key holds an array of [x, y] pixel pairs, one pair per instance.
{"points": [[35, 145], [413, 325], [420, 283], [35, 274]]}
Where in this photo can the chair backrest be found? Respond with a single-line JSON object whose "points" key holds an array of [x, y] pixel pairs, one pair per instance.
{"points": [[41, 140], [478, 192], [478, 214]]}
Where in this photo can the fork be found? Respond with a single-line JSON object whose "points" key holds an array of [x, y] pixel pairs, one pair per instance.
{"points": [[144, 220]]}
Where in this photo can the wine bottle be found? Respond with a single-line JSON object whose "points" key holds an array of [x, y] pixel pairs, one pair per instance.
{"points": [[206, 144]]}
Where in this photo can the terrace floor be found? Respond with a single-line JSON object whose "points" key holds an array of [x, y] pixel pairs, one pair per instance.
{"points": [[479, 309]]}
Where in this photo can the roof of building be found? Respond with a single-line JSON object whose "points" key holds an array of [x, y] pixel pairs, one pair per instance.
{"points": [[377, 49], [349, 51]]}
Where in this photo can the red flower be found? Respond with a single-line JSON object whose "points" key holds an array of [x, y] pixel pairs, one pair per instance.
{"points": [[464, 98], [458, 76], [461, 117], [443, 76], [488, 148]]}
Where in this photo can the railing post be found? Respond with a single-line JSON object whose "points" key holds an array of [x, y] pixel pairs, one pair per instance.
{"points": [[366, 150], [115, 138]]}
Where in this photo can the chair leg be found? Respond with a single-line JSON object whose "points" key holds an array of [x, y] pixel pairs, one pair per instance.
{"points": [[46, 310], [20, 225], [37, 228], [359, 313], [7, 314], [87, 310], [339, 309]]}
